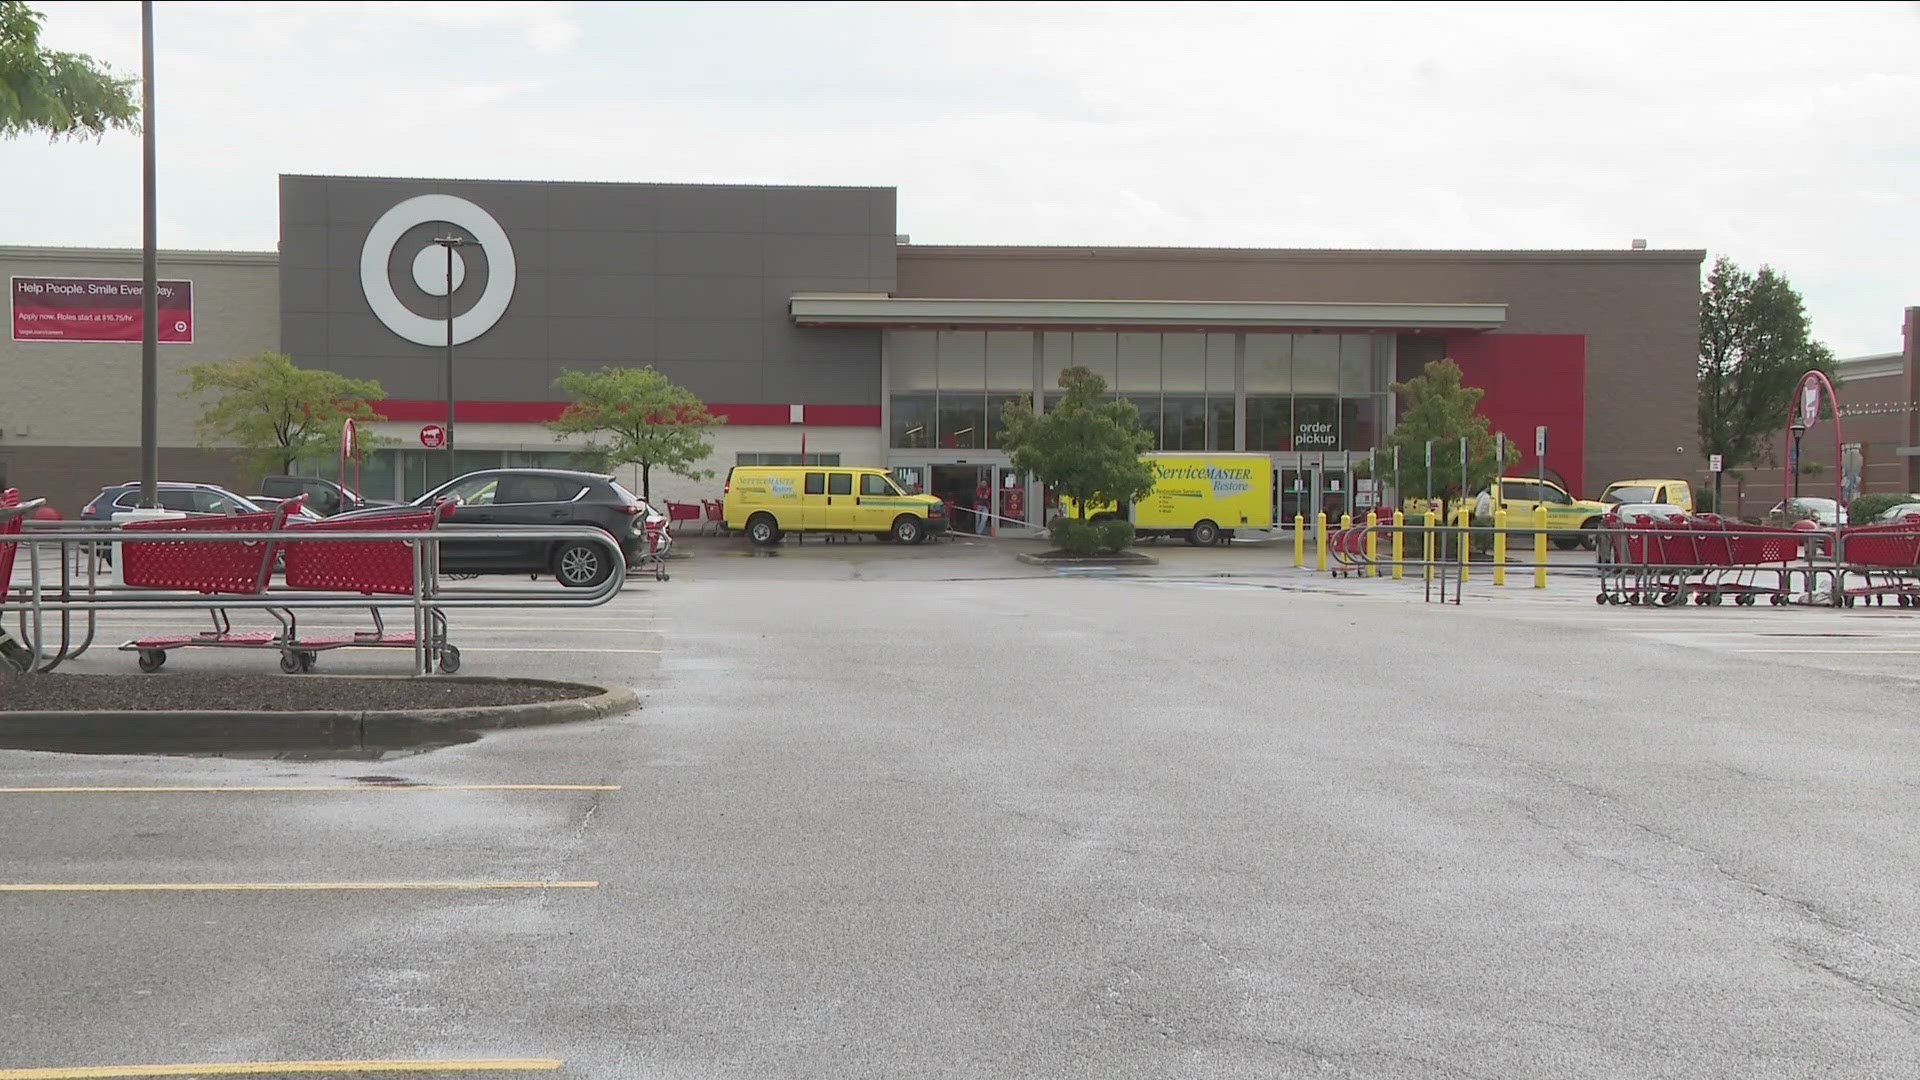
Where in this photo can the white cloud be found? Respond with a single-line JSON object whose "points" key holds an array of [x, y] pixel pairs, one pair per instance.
{"points": [[1773, 134]]}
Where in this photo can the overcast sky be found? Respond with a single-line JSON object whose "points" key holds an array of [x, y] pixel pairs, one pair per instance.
{"points": [[1777, 134]]}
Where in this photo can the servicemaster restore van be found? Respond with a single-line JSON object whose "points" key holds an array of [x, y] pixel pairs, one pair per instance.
{"points": [[1201, 497]]}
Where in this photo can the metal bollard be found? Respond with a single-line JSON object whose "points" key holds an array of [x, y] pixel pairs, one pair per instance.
{"points": [[1373, 545], [1399, 542], [1539, 547], [1299, 540], [1499, 547], [1427, 547], [1465, 520], [1320, 538]]}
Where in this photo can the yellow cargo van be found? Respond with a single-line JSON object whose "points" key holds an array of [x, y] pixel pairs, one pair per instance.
{"points": [[769, 501], [1201, 497], [1672, 492]]}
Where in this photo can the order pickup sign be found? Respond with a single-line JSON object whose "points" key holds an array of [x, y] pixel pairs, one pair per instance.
{"points": [[97, 309]]}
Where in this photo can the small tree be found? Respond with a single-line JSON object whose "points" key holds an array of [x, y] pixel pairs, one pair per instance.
{"points": [[1755, 343], [637, 416], [1436, 406], [1087, 447], [59, 93], [278, 413]]}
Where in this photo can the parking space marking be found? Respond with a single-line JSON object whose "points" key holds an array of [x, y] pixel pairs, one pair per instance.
{"points": [[283, 1068], [1832, 652], [282, 886], [185, 789], [544, 649]]}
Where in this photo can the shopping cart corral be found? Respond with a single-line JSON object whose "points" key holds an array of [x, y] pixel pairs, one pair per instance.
{"points": [[286, 570]]}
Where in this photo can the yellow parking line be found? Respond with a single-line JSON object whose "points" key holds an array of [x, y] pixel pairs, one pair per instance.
{"points": [[265, 1068], [281, 886], [305, 787]]}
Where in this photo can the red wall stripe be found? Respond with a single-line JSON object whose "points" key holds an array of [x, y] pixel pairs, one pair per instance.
{"points": [[1532, 379], [539, 412]]}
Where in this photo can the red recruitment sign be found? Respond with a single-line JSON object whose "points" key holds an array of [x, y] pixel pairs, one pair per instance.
{"points": [[433, 436], [96, 309]]}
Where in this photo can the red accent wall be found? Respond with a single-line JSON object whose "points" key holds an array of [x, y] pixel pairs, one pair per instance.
{"points": [[1532, 379], [539, 412]]}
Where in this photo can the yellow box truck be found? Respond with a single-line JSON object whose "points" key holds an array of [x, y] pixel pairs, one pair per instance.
{"points": [[1200, 497]]}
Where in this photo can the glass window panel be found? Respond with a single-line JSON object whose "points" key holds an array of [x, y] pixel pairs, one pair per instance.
{"points": [[1360, 422], [840, 483], [1183, 364], [911, 421], [1269, 361], [1267, 417], [816, 483], [910, 359], [379, 475], [1184, 422], [1139, 365], [1316, 364], [1149, 408], [963, 360], [1220, 366], [963, 421], [1056, 355], [1356, 364], [995, 425], [1220, 429], [1096, 351], [1316, 424], [1009, 360]]}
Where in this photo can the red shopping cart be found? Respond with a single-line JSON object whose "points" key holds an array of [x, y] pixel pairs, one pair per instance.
{"points": [[1887, 557], [172, 560], [368, 568]]}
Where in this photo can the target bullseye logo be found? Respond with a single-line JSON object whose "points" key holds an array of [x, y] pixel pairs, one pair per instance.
{"points": [[428, 267]]}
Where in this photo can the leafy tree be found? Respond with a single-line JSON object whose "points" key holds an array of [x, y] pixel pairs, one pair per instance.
{"points": [[637, 416], [1436, 405], [1755, 343], [61, 93], [1087, 447], [279, 413]]}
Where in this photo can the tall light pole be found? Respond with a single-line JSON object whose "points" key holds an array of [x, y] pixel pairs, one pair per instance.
{"points": [[1799, 428], [149, 275], [449, 242]]}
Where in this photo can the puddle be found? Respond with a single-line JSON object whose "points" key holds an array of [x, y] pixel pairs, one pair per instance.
{"points": [[228, 746]]}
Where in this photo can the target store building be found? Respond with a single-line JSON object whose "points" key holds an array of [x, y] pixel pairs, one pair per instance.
{"points": [[801, 315]]}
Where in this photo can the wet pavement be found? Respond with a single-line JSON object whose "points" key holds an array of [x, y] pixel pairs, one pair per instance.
{"points": [[930, 812]]}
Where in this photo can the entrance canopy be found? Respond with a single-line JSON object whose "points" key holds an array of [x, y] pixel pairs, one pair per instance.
{"points": [[877, 309]]}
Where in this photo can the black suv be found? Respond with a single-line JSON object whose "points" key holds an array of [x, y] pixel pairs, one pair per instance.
{"points": [[549, 497], [204, 499], [324, 497]]}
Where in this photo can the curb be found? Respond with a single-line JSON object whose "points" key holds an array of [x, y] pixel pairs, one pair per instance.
{"points": [[321, 726], [1134, 559]]}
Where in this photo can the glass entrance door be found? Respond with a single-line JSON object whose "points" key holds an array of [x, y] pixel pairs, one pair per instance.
{"points": [[1311, 490]]}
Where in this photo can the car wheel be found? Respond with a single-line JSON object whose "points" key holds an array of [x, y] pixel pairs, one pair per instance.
{"points": [[581, 565], [1204, 534], [1567, 543], [1590, 533], [762, 530], [907, 529]]}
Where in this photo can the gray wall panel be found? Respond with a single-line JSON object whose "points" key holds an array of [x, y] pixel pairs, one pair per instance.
{"points": [[693, 279]]}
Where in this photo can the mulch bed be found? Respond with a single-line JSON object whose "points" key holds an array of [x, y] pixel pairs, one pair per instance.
{"points": [[193, 691]]}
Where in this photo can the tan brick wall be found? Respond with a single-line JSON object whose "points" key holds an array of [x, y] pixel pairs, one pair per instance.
{"points": [[1638, 310]]}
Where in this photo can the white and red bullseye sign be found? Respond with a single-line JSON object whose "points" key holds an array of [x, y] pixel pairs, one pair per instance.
{"points": [[433, 436]]}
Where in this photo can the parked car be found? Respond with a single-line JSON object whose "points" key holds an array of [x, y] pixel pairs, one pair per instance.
{"points": [[1570, 521], [305, 513], [1630, 512], [326, 497], [185, 498], [548, 497], [1672, 492], [1899, 513], [1822, 512]]}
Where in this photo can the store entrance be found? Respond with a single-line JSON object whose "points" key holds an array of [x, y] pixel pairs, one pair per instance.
{"points": [[1311, 490], [962, 487]]}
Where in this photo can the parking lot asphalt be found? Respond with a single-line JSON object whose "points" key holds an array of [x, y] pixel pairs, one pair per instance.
{"points": [[931, 812]]}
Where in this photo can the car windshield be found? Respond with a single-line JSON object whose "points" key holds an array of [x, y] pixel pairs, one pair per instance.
{"points": [[1629, 494]]}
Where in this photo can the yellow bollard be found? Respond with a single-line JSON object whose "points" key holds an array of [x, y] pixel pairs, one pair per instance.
{"points": [[1299, 540], [1539, 547], [1320, 537], [1399, 542], [1499, 547], [1465, 519], [1373, 545], [1431, 552]]}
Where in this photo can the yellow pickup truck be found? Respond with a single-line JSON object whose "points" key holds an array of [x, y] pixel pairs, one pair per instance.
{"points": [[1570, 522]]}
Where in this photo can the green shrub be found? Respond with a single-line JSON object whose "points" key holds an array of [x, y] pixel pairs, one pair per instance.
{"points": [[1869, 507], [1703, 501], [1083, 538]]}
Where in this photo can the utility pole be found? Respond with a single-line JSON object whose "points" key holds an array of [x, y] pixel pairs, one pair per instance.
{"points": [[149, 278]]}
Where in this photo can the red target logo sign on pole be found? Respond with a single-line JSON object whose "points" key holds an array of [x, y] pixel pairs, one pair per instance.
{"points": [[433, 436]]}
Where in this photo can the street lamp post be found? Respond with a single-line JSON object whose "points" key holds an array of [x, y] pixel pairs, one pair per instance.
{"points": [[449, 242], [1799, 428]]}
